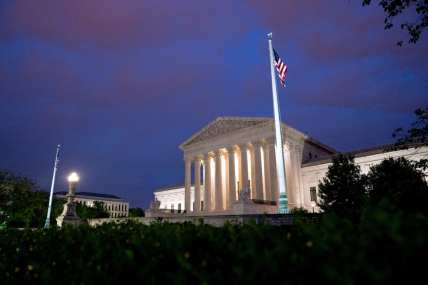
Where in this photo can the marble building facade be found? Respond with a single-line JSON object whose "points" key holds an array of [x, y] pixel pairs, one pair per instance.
{"points": [[235, 155]]}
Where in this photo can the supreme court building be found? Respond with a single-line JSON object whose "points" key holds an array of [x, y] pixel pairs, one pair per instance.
{"points": [[230, 168]]}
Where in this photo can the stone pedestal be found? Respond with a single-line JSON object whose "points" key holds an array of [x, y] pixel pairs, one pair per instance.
{"points": [[153, 210], [69, 215], [246, 206]]}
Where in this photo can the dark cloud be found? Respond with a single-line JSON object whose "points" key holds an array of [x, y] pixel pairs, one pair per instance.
{"points": [[117, 24]]}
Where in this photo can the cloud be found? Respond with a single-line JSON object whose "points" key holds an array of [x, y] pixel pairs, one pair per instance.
{"points": [[113, 24], [340, 55]]}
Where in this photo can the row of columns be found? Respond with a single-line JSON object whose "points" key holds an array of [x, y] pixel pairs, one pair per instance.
{"points": [[263, 176]]}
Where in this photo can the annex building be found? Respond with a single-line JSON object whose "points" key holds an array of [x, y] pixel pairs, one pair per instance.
{"points": [[114, 205], [230, 168]]}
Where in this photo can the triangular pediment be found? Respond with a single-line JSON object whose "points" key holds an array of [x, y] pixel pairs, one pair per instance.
{"points": [[222, 126]]}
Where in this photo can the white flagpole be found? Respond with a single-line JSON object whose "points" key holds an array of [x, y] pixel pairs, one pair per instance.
{"points": [[279, 151], [48, 216]]}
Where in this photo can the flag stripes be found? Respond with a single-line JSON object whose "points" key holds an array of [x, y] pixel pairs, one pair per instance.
{"points": [[281, 67]]}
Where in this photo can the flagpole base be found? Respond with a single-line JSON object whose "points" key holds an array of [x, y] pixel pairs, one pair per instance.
{"points": [[283, 204]]}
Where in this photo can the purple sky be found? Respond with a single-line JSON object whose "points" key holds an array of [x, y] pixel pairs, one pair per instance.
{"points": [[122, 83]]}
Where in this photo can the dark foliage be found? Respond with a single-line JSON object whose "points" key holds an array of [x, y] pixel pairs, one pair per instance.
{"points": [[398, 184], [23, 204], [342, 191], [382, 249], [417, 134], [136, 212], [396, 8], [95, 212]]}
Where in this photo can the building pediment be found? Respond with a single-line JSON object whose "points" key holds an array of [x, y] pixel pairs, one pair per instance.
{"points": [[222, 126]]}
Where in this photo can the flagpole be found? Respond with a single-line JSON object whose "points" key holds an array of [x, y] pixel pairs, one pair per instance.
{"points": [[48, 216], [279, 151]]}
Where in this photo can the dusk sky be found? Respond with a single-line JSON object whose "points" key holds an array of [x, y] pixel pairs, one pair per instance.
{"points": [[120, 84]]}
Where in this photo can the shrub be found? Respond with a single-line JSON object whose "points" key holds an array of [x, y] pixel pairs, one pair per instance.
{"points": [[383, 248]]}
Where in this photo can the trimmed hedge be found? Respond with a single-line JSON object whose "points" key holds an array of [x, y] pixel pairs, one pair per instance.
{"points": [[381, 249]]}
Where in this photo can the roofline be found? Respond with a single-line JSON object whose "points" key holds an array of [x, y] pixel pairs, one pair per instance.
{"points": [[363, 152], [269, 119], [181, 146], [60, 193], [320, 144], [171, 187]]}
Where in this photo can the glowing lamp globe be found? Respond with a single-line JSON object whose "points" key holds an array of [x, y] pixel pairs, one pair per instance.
{"points": [[73, 177]]}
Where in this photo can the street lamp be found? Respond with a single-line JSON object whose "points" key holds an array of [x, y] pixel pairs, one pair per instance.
{"points": [[73, 178], [69, 214]]}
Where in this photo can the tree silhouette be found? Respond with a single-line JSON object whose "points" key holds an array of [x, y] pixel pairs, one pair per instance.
{"points": [[394, 8], [342, 191], [398, 184]]}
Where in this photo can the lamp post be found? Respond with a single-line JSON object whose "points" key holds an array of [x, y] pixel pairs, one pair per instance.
{"points": [[69, 214], [73, 178]]}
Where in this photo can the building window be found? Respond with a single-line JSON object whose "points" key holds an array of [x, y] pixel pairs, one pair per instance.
{"points": [[179, 207], [202, 205], [172, 208], [313, 192]]}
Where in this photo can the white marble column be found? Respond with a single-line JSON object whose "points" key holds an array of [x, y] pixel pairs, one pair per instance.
{"points": [[289, 174], [295, 162], [207, 183], [218, 182], [187, 183], [232, 177], [197, 206], [244, 167], [225, 181], [267, 177], [256, 173]]}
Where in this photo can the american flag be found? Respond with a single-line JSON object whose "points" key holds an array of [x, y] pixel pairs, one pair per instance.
{"points": [[280, 67]]}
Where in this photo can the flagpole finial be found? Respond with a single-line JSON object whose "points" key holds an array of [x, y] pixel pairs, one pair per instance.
{"points": [[269, 36]]}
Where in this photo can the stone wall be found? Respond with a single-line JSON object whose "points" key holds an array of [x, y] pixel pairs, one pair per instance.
{"points": [[214, 220]]}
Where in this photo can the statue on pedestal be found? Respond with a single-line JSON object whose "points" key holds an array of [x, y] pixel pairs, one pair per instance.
{"points": [[244, 195], [155, 205], [153, 209]]}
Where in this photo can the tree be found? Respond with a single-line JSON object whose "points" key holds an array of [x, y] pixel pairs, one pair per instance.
{"points": [[22, 203], [136, 212], [395, 8], [95, 212], [415, 136], [418, 132], [397, 183], [342, 191]]}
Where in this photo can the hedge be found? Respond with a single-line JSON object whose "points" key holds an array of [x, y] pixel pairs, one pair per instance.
{"points": [[380, 250]]}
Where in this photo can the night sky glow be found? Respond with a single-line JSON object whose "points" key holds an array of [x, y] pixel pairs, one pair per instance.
{"points": [[122, 83]]}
